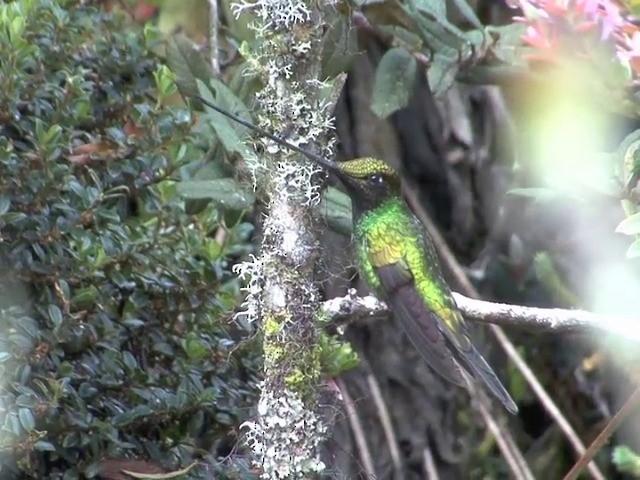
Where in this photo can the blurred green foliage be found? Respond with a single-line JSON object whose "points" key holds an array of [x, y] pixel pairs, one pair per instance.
{"points": [[116, 331], [626, 460]]}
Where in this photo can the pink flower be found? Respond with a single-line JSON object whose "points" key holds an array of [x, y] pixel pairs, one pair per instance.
{"points": [[611, 18], [630, 49]]}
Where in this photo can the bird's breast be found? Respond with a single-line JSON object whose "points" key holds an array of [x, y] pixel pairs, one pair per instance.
{"points": [[386, 255], [383, 246]]}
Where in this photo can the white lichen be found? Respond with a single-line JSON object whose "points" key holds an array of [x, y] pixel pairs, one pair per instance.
{"points": [[286, 437], [279, 14], [277, 296], [251, 272]]}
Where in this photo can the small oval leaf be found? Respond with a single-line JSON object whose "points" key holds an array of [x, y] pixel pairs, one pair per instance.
{"points": [[630, 225], [55, 314], [394, 82], [225, 192], [26, 419]]}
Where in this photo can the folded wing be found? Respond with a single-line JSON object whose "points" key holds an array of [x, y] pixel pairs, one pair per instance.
{"points": [[447, 351]]}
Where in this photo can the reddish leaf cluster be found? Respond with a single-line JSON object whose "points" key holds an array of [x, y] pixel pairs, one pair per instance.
{"points": [[560, 28]]}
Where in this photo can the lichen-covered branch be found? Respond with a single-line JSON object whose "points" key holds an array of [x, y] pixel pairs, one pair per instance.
{"points": [[353, 308], [288, 431], [546, 318]]}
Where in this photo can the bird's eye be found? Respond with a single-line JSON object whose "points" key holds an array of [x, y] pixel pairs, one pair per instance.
{"points": [[376, 180]]}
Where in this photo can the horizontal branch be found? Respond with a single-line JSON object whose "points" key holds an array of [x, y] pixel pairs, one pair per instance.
{"points": [[353, 308], [546, 318]]}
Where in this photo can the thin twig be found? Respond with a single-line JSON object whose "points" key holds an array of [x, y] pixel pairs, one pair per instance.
{"points": [[357, 429], [604, 435], [387, 427], [351, 307], [549, 404], [362, 22], [213, 36], [546, 318], [452, 263], [506, 444], [429, 463]]}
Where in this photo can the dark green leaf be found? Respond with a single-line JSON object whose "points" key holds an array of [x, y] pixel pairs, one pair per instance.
{"points": [[436, 8], [394, 82], [438, 33], [442, 73], [335, 207], [225, 192], [407, 36], [227, 131], [5, 204], [55, 314], [468, 13], [227, 99], [92, 469], [130, 415], [85, 297], [339, 47], [14, 217], [196, 350], [26, 419], [44, 446], [188, 64], [129, 360]]}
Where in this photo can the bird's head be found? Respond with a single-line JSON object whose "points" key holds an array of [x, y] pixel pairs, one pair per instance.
{"points": [[369, 182]]}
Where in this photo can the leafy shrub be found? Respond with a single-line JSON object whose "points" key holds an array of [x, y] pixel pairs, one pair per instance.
{"points": [[115, 301]]}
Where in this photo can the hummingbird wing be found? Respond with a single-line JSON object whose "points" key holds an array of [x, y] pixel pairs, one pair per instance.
{"points": [[424, 306], [419, 324], [444, 348]]}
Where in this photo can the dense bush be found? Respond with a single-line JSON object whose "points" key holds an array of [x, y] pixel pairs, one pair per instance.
{"points": [[116, 339]]}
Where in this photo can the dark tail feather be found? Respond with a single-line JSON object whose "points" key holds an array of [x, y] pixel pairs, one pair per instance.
{"points": [[429, 341], [482, 372]]}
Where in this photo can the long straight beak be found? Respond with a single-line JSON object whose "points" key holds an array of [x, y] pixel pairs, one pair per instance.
{"points": [[328, 164]]}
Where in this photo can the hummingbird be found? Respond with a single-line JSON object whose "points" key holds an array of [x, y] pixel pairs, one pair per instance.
{"points": [[398, 261]]}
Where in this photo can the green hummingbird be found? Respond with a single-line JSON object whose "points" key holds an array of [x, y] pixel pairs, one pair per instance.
{"points": [[398, 261]]}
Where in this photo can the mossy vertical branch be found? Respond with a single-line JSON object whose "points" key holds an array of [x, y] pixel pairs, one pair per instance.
{"points": [[288, 431]]}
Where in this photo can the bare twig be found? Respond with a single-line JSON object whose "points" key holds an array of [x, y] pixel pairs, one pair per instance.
{"points": [[213, 36], [357, 429], [544, 397], [387, 427], [506, 444], [604, 435], [546, 318], [430, 469]]}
